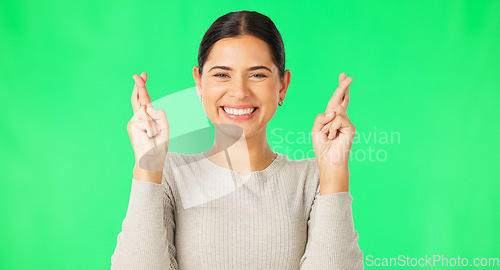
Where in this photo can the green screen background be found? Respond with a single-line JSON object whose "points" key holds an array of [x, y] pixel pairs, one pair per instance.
{"points": [[425, 71]]}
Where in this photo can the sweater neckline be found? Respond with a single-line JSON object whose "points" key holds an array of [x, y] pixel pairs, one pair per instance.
{"points": [[266, 173]]}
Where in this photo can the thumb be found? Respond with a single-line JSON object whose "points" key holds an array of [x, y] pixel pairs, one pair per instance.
{"points": [[321, 120]]}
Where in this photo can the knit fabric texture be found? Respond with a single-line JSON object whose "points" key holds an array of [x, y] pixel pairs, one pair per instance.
{"points": [[204, 216]]}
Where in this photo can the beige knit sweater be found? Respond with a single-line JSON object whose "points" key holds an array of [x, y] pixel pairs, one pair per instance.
{"points": [[204, 216]]}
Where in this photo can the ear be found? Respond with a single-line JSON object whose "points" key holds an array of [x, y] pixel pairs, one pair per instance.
{"points": [[284, 84], [197, 80]]}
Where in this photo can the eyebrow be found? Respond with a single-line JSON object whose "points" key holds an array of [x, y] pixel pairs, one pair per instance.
{"points": [[249, 69]]}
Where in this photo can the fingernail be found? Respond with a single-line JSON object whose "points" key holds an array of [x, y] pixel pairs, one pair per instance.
{"points": [[329, 114]]}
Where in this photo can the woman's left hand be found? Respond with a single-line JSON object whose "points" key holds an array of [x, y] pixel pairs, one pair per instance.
{"points": [[333, 135]]}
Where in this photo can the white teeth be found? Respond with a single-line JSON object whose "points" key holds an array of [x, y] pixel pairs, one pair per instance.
{"points": [[239, 111]]}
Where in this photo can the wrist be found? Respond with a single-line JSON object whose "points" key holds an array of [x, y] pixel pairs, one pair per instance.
{"points": [[147, 176], [334, 180]]}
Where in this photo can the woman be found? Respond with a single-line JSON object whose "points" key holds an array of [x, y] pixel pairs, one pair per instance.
{"points": [[239, 205]]}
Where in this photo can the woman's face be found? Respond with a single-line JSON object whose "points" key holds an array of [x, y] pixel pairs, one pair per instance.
{"points": [[240, 73]]}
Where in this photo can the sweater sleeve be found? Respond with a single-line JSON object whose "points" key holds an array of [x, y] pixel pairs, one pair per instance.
{"points": [[332, 241], [147, 237]]}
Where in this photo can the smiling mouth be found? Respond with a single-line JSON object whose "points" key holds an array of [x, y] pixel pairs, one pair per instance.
{"points": [[238, 112]]}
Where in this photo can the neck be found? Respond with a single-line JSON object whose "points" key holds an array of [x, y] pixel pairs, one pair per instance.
{"points": [[239, 153]]}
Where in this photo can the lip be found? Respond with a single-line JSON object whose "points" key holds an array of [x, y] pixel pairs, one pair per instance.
{"points": [[239, 117], [239, 106]]}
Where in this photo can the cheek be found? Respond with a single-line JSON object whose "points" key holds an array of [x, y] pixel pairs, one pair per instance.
{"points": [[268, 92], [211, 98], [210, 88], [213, 89]]}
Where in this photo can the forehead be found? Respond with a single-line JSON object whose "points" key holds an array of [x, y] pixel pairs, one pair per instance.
{"points": [[240, 51]]}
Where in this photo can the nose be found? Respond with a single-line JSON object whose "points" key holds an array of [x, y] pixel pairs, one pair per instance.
{"points": [[239, 89]]}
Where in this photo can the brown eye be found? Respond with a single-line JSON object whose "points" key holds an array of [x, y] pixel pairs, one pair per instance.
{"points": [[218, 75], [259, 75]]}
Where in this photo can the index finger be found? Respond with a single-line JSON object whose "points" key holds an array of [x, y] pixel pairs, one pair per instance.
{"points": [[339, 93], [135, 94], [345, 101], [144, 98]]}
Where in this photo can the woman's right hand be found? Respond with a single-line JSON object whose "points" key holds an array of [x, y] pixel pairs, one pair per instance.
{"points": [[149, 133]]}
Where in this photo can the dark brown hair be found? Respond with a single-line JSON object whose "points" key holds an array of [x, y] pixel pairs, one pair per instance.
{"points": [[240, 23]]}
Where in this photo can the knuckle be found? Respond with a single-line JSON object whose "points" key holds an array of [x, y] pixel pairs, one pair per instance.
{"points": [[132, 124], [139, 112]]}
